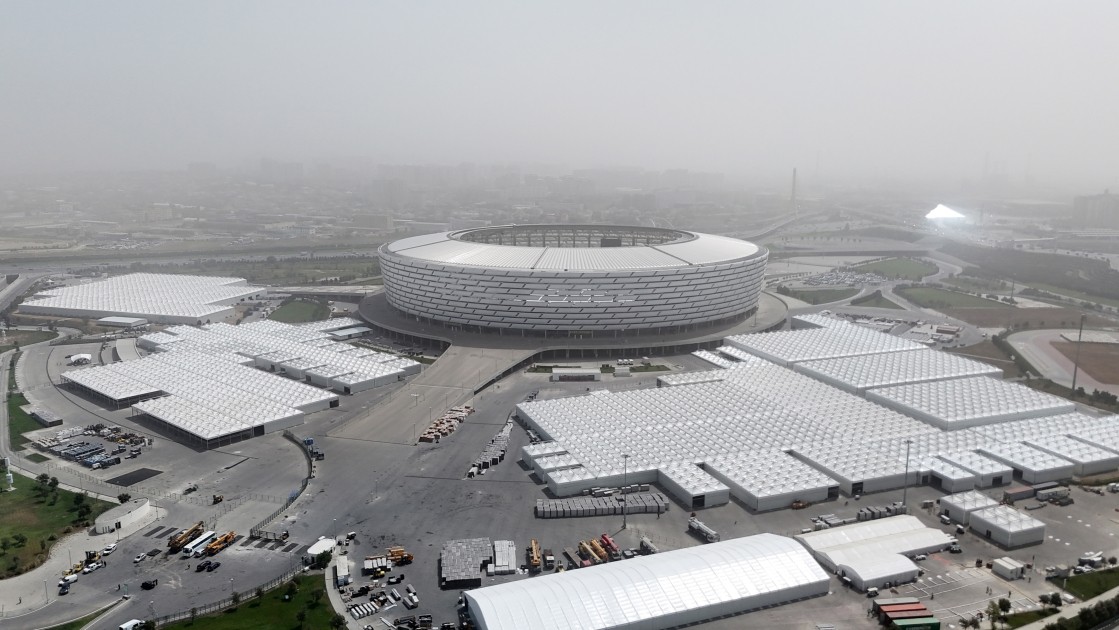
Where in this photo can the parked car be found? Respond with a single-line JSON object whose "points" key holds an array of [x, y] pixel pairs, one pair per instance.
{"points": [[139, 558], [202, 566], [68, 579], [109, 549], [148, 585], [91, 567], [64, 589], [213, 566]]}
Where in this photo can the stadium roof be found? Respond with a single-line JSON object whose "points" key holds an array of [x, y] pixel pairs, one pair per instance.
{"points": [[754, 571], [694, 249]]}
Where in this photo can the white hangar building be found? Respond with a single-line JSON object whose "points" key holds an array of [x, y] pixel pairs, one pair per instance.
{"points": [[159, 298], [665, 590]]}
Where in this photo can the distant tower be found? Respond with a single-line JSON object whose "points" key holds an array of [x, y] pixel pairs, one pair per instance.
{"points": [[793, 195]]}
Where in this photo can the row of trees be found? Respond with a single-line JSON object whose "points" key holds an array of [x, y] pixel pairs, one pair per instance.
{"points": [[1087, 617]]}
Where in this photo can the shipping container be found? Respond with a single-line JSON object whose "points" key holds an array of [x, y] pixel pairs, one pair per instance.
{"points": [[884, 612], [926, 623], [891, 601], [1017, 493], [908, 614]]}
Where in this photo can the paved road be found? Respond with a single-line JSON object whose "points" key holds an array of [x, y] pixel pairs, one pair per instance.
{"points": [[1036, 347]]}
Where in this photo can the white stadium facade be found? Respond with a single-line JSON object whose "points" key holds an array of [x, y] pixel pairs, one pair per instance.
{"points": [[580, 280]]}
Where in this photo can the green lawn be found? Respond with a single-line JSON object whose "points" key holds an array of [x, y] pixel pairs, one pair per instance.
{"points": [[19, 422], [1088, 585], [1017, 620], [24, 338], [902, 268], [77, 624], [38, 458], [299, 311], [22, 512], [940, 298], [971, 283], [649, 368], [821, 296], [875, 300], [272, 611], [283, 270], [1079, 295]]}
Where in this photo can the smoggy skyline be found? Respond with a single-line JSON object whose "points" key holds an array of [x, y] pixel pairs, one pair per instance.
{"points": [[859, 91]]}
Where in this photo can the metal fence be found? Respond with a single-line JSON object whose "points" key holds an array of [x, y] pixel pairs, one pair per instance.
{"points": [[258, 530], [242, 597]]}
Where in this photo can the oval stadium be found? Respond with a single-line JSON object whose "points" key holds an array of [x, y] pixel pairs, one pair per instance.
{"points": [[573, 280]]}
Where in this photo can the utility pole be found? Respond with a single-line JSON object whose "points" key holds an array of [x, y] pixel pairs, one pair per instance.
{"points": [[625, 482], [905, 487], [1076, 361]]}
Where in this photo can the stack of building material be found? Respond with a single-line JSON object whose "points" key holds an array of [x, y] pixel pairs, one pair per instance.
{"points": [[445, 424], [653, 503], [461, 561], [504, 557]]}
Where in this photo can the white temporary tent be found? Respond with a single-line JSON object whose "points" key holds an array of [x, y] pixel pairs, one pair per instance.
{"points": [[664, 590], [1008, 527]]}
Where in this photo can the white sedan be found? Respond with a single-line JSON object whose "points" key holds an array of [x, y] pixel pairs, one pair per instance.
{"points": [[109, 549], [140, 558]]}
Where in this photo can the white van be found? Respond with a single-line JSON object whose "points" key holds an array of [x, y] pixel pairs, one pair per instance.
{"points": [[131, 625]]}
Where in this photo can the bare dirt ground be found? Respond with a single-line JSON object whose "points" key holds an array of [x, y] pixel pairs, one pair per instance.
{"points": [[1099, 360]]}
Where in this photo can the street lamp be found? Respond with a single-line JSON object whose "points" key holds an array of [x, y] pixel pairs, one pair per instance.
{"points": [[905, 486], [625, 480], [1076, 361]]}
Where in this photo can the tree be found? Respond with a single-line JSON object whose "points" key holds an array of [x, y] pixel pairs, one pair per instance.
{"points": [[79, 499], [259, 594], [5, 544], [337, 621], [149, 624], [84, 511], [322, 560], [124, 497], [993, 612], [1004, 605], [1112, 560], [316, 595], [301, 616], [43, 479], [53, 483], [236, 597], [292, 589], [20, 539]]}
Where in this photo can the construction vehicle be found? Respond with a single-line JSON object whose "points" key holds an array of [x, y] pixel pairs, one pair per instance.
{"points": [[177, 541], [399, 556], [700, 529], [599, 550], [549, 560], [218, 498], [647, 546], [587, 554], [611, 547], [221, 542], [534, 560]]}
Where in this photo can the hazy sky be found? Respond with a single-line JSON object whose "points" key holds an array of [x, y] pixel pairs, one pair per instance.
{"points": [[867, 89]]}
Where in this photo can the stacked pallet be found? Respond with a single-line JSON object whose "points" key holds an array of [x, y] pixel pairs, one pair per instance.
{"points": [[653, 503], [504, 558], [461, 561]]}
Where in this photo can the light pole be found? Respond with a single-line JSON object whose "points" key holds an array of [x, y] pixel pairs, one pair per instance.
{"points": [[1076, 361], [46, 596], [334, 531], [625, 480], [905, 484]]}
